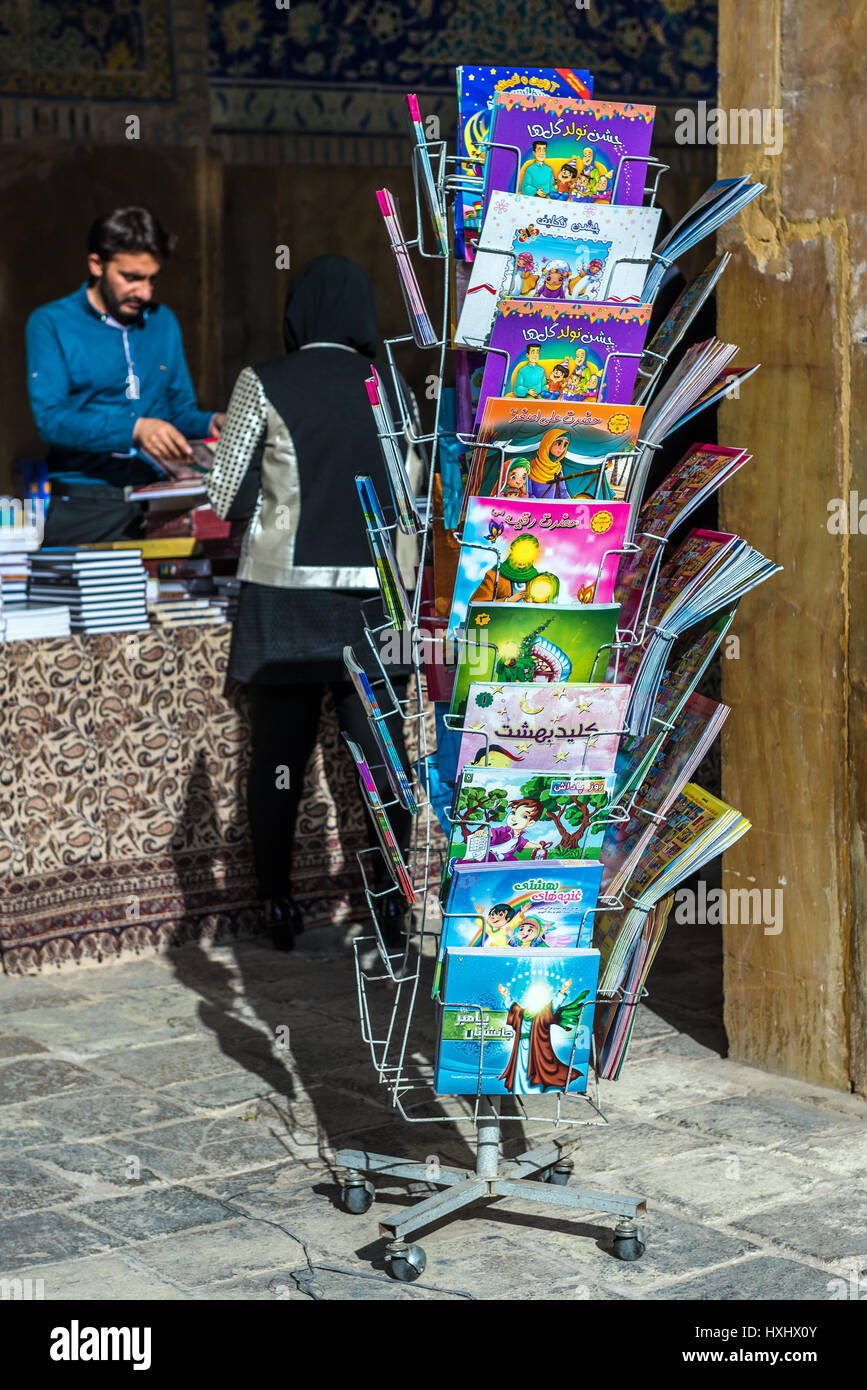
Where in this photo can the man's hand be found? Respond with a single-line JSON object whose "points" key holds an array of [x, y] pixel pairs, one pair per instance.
{"points": [[159, 438]]}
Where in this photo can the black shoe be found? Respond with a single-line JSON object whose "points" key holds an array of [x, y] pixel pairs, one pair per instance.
{"points": [[285, 922]]}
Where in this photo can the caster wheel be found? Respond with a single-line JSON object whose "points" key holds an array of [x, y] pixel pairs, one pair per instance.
{"points": [[628, 1244], [560, 1174], [357, 1195], [405, 1262]]}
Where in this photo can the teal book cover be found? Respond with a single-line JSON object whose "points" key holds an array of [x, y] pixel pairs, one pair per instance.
{"points": [[516, 1022]]}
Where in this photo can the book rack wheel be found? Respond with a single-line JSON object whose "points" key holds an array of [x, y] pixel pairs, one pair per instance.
{"points": [[405, 1262], [628, 1244], [357, 1194]]}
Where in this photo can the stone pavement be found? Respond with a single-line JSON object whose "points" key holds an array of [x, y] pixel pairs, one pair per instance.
{"points": [[159, 1140]]}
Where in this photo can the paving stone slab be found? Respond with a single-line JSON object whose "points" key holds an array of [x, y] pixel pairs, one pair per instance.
{"points": [[22, 1126], [163, 1063], [832, 1226], [103, 1278], [201, 1258], [108, 1109], [45, 1236], [34, 1077], [198, 1147], [91, 1166], [218, 1092], [150, 1214], [16, 1045], [24, 1186], [841, 1150], [658, 1084], [751, 1280], [759, 1120], [720, 1186]]}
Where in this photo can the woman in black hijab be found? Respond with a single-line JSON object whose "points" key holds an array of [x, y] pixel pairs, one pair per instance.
{"points": [[299, 429]]}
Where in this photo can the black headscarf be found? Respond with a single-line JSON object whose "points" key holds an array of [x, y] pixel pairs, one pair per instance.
{"points": [[330, 300]]}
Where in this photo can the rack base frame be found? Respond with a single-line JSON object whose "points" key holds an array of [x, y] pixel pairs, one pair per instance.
{"points": [[540, 1176]]}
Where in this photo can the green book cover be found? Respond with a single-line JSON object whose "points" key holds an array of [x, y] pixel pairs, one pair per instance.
{"points": [[508, 642]]}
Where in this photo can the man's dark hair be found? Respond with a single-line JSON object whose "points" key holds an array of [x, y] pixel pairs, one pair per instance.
{"points": [[128, 229], [543, 143]]}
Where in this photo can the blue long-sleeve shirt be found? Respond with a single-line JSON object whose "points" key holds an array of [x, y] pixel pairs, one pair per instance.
{"points": [[83, 372]]}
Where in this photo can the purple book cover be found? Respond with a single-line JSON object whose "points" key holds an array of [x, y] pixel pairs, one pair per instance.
{"points": [[557, 351], [568, 150]]}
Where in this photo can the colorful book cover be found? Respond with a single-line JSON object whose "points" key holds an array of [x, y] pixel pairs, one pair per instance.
{"points": [[566, 351], [500, 905], [543, 727], [555, 450], [394, 769], [509, 642], [538, 552], [507, 814], [555, 252], [567, 150], [477, 87], [391, 851], [681, 314], [516, 1022]]}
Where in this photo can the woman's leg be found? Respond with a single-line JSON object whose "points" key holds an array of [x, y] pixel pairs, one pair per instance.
{"points": [[283, 724]]}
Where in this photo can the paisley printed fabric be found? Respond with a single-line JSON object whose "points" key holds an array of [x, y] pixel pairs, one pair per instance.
{"points": [[122, 801]]}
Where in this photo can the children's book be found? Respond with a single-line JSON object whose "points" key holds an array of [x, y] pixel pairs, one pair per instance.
{"points": [[511, 642], [532, 248], [477, 87], [724, 199], [394, 769], [544, 727], [510, 814], [555, 450], [395, 601], [391, 850], [615, 1019], [565, 351], [521, 906], [529, 552], [678, 755], [697, 827], [703, 469], [676, 322], [565, 150], [516, 1022]]}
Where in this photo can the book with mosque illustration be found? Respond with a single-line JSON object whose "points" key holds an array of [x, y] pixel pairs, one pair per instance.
{"points": [[519, 642], [515, 1022], [533, 248], [477, 87], [543, 727], [529, 552], [554, 450], [568, 151], [566, 351]]}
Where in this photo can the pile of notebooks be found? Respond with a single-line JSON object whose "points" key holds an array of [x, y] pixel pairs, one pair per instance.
{"points": [[103, 588], [24, 621], [14, 574]]}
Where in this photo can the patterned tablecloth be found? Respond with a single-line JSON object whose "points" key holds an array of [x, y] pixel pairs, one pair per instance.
{"points": [[122, 801]]}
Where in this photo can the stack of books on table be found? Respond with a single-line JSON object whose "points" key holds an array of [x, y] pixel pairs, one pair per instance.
{"points": [[14, 574], [22, 621], [103, 588]]}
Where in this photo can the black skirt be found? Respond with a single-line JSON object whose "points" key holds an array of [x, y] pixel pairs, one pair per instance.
{"points": [[283, 636]]}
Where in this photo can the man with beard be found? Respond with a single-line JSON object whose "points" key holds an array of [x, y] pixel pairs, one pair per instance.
{"points": [[109, 386]]}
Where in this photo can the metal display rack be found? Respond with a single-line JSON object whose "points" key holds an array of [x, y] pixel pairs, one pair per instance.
{"points": [[389, 979]]}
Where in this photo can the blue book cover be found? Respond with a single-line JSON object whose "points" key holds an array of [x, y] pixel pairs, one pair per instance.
{"points": [[477, 86], [516, 1022], [522, 905]]}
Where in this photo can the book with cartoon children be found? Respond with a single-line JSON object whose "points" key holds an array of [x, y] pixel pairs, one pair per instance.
{"points": [[567, 150], [564, 351]]}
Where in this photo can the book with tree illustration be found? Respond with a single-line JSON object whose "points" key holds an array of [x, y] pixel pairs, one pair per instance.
{"points": [[503, 814]]}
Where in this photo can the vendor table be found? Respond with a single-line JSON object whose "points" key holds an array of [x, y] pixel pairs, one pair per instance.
{"points": [[122, 801]]}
